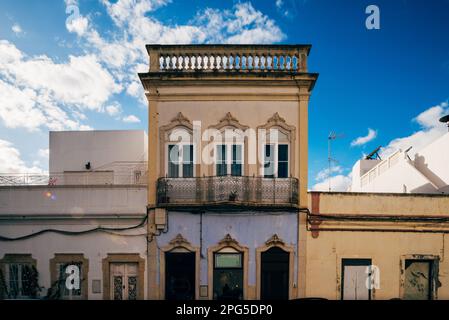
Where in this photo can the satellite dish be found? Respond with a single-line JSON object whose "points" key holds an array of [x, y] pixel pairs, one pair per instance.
{"points": [[374, 155], [445, 119]]}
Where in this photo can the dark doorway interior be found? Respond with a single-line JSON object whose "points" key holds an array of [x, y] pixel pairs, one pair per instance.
{"points": [[275, 274], [180, 276]]}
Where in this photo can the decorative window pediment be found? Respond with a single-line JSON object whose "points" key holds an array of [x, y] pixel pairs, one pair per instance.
{"points": [[179, 123], [274, 241], [286, 131], [229, 121]]}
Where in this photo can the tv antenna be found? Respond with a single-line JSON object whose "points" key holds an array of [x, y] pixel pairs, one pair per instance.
{"points": [[332, 136]]}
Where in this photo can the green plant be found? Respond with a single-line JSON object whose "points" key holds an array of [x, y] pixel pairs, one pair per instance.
{"points": [[3, 287]]}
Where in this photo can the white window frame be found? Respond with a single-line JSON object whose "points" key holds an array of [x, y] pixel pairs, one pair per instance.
{"points": [[229, 157], [276, 159], [180, 158]]}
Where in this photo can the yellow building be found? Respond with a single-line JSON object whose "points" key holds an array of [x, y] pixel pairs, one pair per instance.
{"points": [[400, 239], [227, 152]]}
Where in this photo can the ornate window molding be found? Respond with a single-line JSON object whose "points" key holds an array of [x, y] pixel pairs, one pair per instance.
{"points": [[67, 258], [179, 122], [229, 121], [123, 258], [289, 131], [178, 244], [275, 241], [227, 242]]}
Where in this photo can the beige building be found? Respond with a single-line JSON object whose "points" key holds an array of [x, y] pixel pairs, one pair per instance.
{"points": [[399, 239]]}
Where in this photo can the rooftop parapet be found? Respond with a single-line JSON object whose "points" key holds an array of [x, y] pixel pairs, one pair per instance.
{"points": [[227, 58]]}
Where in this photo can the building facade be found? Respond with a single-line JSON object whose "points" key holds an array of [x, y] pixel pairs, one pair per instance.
{"points": [[227, 173], [213, 202], [90, 211]]}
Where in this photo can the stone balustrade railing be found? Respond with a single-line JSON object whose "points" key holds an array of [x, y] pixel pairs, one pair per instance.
{"points": [[249, 58]]}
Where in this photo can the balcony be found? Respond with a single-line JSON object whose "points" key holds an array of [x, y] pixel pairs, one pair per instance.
{"points": [[228, 192], [228, 58]]}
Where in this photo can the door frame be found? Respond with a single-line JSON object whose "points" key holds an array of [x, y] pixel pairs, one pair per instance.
{"points": [[357, 261], [181, 244], [434, 272], [230, 242], [123, 258], [275, 241]]}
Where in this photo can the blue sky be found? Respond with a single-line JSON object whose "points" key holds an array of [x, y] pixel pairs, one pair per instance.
{"points": [[60, 71]]}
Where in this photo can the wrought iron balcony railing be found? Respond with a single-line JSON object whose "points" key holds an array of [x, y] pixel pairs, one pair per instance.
{"points": [[227, 190]]}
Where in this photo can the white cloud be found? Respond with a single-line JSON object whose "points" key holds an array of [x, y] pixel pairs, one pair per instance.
{"points": [[113, 109], [37, 92], [338, 183], [11, 162], [131, 119], [78, 25], [430, 126], [324, 174], [372, 134], [17, 29], [44, 153], [242, 24], [279, 4]]}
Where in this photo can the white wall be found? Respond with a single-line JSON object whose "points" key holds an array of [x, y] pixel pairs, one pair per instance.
{"points": [[71, 150], [433, 161], [72, 200], [95, 246], [424, 171]]}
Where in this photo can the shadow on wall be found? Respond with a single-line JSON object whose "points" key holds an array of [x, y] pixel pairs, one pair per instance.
{"points": [[423, 167]]}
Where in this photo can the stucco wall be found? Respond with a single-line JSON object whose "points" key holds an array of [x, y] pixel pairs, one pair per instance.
{"points": [[95, 246], [248, 112], [71, 150], [326, 249], [73, 200], [250, 230]]}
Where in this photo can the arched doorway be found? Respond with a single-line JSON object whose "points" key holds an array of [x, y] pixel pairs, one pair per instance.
{"points": [[275, 264]]}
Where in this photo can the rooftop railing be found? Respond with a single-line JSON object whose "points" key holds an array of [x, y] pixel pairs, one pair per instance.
{"points": [[74, 178], [214, 190], [251, 58]]}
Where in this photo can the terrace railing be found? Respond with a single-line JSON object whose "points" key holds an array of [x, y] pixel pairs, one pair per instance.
{"points": [[251, 58], [74, 178]]}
